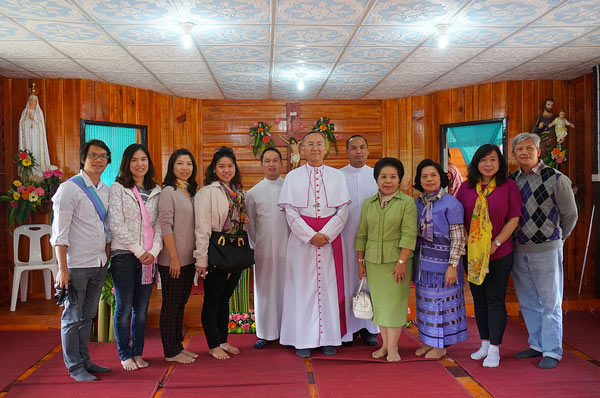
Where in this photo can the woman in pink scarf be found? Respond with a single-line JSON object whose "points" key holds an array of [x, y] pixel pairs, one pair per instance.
{"points": [[136, 243]]}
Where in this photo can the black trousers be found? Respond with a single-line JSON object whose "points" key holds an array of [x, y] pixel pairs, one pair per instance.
{"points": [[175, 294], [489, 300], [215, 310]]}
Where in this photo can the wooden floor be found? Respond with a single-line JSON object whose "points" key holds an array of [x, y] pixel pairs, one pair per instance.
{"points": [[41, 314]]}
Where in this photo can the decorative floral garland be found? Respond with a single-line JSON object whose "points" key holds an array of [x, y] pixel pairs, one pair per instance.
{"points": [[262, 137], [324, 126]]}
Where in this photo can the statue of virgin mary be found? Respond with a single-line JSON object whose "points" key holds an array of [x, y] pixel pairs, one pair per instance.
{"points": [[32, 134]]}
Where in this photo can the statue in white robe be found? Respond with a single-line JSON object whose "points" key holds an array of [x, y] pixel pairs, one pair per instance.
{"points": [[32, 134], [315, 200]]}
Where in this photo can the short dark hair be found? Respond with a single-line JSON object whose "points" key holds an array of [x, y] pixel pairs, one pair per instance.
{"points": [[473, 175], [383, 162], [125, 177], [170, 179], [314, 132], [210, 176], [262, 155], [546, 100], [355, 136], [425, 163], [85, 148]]}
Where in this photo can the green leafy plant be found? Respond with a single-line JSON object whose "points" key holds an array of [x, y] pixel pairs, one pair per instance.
{"points": [[324, 126], [262, 137]]}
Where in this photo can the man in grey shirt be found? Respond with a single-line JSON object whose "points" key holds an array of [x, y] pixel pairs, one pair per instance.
{"points": [[82, 244], [549, 214]]}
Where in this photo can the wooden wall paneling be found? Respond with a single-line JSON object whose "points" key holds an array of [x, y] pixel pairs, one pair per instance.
{"points": [[87, 96], [129, 105], [391, 128], [433, 135], [116, 103], [102, 102], [514, 105], [193, 135], [468, 103], [561, 96], [166, 122], [499, 99], [444, 106], [531, 107], [4, 281], [457, 108], [199, 148], [405, 141], [71, 111], [485, 101], [180, 125], [475, 104], [431, 144], [154, 135], [418, 143], [545, 90], [55, 122]]}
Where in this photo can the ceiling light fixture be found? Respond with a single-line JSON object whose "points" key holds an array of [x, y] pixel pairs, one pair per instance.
{"points": [[443, 35], [187, 34], [300, 81]]}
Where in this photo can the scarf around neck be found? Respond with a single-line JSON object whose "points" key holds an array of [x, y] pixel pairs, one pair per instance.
{"points": [[236, 217], [385, 199], [425, 229], [480, 235]]}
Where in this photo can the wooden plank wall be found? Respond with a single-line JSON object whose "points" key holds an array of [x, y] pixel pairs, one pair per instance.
{"points": [[407, 128]]}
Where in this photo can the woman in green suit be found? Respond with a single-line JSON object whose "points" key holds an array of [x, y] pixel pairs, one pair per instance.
{"points": [[385, 242]]}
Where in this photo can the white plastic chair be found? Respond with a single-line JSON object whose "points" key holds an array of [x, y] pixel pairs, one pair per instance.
{"points": [[35, 232]]}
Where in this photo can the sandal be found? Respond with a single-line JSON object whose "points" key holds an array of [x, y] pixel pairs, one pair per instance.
{"points": [[260, 344]]}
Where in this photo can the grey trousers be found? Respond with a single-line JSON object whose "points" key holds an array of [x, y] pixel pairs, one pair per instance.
{"points": [[81, 307]]}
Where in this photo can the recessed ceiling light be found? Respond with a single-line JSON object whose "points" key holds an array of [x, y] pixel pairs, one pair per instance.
{"points": [[443, 35], [300, 81], [187, 34]]}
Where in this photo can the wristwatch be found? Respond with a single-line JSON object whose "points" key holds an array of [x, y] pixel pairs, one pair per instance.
{"points": [[497, 243]]}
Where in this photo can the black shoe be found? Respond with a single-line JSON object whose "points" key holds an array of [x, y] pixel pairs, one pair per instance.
{"points": [[93, 368], [328, 350], [347, 343], [370, 339], [528, 353], [260, 344], [548, 363], [304, 352]]}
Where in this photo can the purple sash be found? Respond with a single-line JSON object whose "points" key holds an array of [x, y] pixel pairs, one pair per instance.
{"points": [[338, 258]]}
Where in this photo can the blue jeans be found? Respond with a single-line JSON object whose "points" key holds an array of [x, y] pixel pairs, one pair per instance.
{"points": [[538, 280], [81, 307], [131, 298]]}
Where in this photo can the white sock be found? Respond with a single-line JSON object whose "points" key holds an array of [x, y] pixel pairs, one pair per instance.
{"points": [[482, 351], [493, 357]]}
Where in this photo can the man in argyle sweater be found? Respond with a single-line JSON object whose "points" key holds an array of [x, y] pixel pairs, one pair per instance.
{"points": [[549, 215]]}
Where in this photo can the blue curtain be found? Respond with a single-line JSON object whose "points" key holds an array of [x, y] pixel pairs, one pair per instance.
{"points": [[469, 138], [117, 139]]}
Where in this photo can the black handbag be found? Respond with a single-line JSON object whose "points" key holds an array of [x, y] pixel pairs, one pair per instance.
{"points": [[229, 252]]}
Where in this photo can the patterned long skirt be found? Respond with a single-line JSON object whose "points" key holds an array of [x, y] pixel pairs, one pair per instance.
{"points": [[442, 320]]}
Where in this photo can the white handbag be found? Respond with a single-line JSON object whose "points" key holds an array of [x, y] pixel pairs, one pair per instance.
{"points": [[361, 303]]}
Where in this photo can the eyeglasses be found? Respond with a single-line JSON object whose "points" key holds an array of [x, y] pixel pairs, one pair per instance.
{"points": [[312, 145], [95, 156]]}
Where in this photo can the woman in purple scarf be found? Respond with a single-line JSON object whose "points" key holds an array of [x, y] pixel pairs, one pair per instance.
{"points": [[438, 277]]}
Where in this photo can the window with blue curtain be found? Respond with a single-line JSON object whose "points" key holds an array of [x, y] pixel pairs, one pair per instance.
{"points": [[117, 138], [469, 138]]}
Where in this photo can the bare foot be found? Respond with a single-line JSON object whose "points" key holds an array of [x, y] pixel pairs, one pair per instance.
{"points": [[189, 353], [140, 362], [423, 350], [436, 353], [393, 357], [129, 364], [380, 353], [230, 349], [218, 353], [180, 358]]}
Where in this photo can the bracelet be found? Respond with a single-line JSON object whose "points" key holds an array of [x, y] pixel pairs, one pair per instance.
{"points": [[361, 260], [400, 261]]}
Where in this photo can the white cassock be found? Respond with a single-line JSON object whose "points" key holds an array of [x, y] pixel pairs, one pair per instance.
{"points": [[268, 231], [311, 304], [361, 185]]}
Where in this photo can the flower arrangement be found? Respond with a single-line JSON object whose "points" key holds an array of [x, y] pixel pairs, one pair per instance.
{"points": [[108, 291], [262, 137], [23, 198], [324, 126], [51, 180], [556, 157], [242, 323], [25, 163]]}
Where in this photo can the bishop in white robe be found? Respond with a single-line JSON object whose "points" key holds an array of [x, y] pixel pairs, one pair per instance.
{"points": [[268, 231], [361, 185], [315, 200]]}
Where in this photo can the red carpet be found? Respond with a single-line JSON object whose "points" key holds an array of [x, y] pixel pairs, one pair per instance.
{"points": [[399, 379], [21, 350], [272, 372], [198, 289], [514, 378], [362, 352], [579, 329], [53, 379]]}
